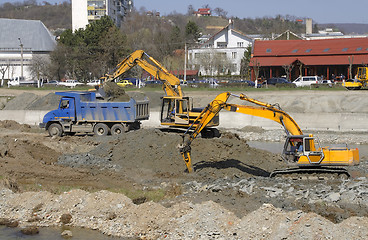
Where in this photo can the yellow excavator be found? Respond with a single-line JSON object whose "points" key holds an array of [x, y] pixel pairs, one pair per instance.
{"points": [[360, 80], [301, 151], [176, 109]]}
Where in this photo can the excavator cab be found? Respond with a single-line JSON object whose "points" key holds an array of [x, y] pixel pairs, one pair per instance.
{"points": [[301, 149], [175, 110]]}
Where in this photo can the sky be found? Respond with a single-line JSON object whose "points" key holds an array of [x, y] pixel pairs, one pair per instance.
{"points": [[321, 11]]}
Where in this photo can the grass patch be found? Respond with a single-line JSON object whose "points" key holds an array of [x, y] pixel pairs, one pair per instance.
{"points": [[149, 194]]}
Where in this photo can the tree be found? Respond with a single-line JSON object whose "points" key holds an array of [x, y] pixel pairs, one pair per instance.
{"points": [[220, 12], [39, 66], [288, 69], [3, 70], [244, 65], [192, 32]]}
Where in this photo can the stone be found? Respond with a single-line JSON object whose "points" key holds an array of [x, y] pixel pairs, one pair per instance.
{"points": [[67, 234], [334, 197], [30, 230], [66, 218]]}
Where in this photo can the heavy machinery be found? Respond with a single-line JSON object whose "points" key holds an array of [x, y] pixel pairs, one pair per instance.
{"points": [[300, 150], [81, 112], [360, 80], [176, 109]]}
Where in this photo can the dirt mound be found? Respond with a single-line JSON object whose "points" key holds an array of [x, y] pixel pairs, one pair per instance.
{"points": [[155, 153], [48, 102], [13, 125], [115, 93], [21, 102]]}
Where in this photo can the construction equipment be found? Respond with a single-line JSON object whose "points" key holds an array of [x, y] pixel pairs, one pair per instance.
{"points": [[81, 112], [300, 150], [360, 80], [176, 110]]}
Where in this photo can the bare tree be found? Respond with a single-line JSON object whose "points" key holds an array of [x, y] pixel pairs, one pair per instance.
{"points": [[351, 61], [256, 67], [220, 12], [288, 69], [3, 70], [39, 66]]}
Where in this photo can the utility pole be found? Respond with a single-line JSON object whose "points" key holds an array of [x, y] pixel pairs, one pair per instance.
{"points": [[21, 56], [185, 63]]}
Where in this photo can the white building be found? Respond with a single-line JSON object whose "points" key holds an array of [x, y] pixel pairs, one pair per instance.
{"points": [[221, 54], [20, 42], [86, 11]]}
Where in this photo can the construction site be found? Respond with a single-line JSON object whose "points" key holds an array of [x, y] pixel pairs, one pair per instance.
{"points": [[136, 185]]}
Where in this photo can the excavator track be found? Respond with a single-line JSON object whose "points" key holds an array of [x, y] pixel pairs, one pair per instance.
{"points": [[319, 170]]}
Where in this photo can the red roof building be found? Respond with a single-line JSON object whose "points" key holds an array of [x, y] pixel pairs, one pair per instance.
{"points": [[317, 57], [203, 12]]}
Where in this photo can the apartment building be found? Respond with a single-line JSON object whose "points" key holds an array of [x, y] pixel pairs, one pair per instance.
{"points": [[86, 11]]}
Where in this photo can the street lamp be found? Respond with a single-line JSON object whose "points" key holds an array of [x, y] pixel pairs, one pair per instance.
{"points": [[21, 55]]}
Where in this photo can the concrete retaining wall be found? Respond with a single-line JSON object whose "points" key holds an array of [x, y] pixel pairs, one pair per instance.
{"points": [[306, 121]]}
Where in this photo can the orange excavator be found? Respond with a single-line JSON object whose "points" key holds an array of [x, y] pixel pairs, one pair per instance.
{"points": [[301, 151]]}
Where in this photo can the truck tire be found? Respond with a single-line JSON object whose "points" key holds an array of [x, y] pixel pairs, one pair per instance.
{"points": [[55, 130], [118, 129], [101, 129]]}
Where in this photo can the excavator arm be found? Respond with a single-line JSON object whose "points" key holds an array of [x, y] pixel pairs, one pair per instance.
{"points": [[261, 109], [171, 84]]}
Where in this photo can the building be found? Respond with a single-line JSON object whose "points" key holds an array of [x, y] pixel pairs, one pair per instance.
{"points": [[20, 42], [203, 12], [86, 11], [221, 53], [322, 57]]}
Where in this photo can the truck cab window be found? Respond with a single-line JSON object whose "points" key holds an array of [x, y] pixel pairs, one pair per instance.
{"points": [[64, 104]]}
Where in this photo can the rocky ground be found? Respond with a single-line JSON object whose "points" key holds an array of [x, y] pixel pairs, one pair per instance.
{"points": [[136, 185]]}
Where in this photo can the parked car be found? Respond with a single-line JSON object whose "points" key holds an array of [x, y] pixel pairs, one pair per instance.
{"points": [[125, 83], [326, 82], [70, 83], [306, 81], [251, 83], [51, 83], [94, 83], [278, 81]]}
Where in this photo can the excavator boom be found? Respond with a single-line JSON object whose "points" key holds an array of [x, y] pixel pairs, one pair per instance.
{"points": [[171, 84]]}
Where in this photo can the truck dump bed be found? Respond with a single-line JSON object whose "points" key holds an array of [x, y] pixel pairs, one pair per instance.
{"points": [[87, 108]]}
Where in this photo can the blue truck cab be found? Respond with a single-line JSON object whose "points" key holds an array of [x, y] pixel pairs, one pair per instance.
{"points": [[81, 112]]}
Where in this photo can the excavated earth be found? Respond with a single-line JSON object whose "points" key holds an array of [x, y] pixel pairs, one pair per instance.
{"points": [[136, 185]]}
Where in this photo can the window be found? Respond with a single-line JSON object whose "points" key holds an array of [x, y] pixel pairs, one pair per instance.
{"points": [[234, 54], [221, 44], [295, 51], [268, 50], [308, 50], [326, 50], [359, 49], [240, 44], [344, 49]]}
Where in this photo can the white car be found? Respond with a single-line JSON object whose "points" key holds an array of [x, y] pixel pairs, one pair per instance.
{"points": [[306, 81], [94, 83], [70, 83]]}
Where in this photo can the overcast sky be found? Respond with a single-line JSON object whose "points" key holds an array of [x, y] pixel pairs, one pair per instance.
{"points": [[321, 11]]}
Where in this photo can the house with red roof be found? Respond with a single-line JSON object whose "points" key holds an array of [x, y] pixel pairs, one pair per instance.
{"points": [[203, 12], [309, 57]]}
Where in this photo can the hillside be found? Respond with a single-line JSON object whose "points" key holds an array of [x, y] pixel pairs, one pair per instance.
{"points": [[53, 16], [347, 28]]}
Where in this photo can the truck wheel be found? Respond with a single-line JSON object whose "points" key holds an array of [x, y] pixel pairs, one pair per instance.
{"points": [[101, 129], [55, 130], [117, 129]]}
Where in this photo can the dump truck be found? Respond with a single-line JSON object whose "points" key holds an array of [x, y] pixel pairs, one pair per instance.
{"points": [[81, 112]]}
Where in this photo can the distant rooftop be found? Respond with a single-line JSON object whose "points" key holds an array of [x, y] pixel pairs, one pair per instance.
{"points": [[33, 34]]}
